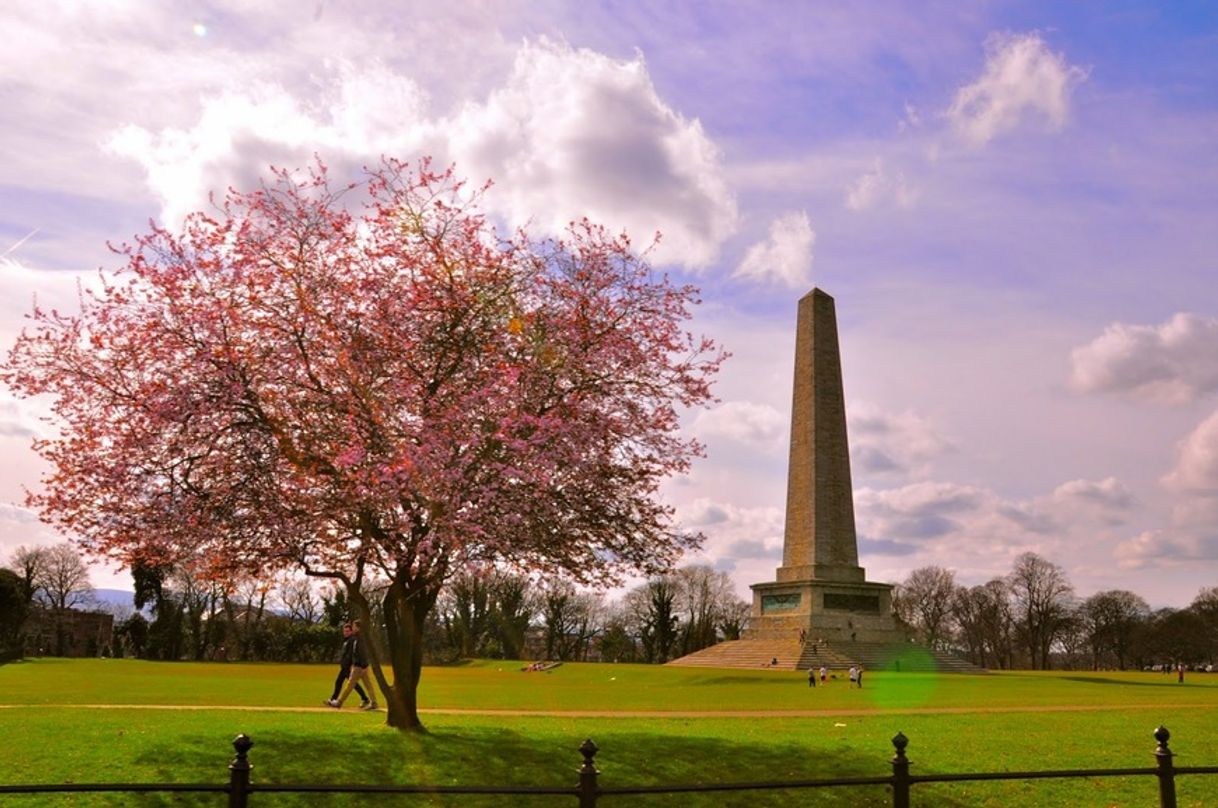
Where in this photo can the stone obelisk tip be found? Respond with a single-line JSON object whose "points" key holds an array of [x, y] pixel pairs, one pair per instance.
{"points": [[819, 539]]}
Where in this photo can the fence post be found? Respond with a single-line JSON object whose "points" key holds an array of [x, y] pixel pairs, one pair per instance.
{"points": [[239, 773], [587, 775], [900, 772], [1166, 773]]}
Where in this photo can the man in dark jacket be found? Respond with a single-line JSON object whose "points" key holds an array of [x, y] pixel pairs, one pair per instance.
{"points": [[359, 672], [344, 669]]}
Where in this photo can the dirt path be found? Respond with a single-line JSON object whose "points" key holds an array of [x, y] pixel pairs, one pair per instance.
{"points": [[1052, 708]]}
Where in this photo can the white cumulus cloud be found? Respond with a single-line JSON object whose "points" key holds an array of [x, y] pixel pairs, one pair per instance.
{"points": [[1175, 362], [1196, 469], [898, 443], [879, 187], [1167, 548], [743, 421], [1107, 501], [1109, 492], [1022, 79], [785, 257], [359, 115], [1192, 533], [567, 134], [746, 540], [574, 133]]}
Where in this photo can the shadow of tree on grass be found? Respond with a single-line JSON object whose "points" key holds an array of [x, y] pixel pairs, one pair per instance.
{"points": [[1100, 680], [511, 757]]}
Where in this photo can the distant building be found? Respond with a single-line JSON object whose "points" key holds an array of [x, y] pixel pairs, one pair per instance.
{"points": [[67, 632]]}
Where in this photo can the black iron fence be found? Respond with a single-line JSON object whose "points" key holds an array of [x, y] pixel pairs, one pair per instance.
{"points": [[588, 789]]}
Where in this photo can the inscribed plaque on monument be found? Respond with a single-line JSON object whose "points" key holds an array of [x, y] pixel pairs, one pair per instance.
{"points": [[866, 604], [779, 603]]}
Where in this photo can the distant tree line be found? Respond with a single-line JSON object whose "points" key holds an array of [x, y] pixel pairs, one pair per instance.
{"points": [[179, 614], [496, 614], [1031, 618]]}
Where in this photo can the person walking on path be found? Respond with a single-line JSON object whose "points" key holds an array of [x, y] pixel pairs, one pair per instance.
{"points": [[359, 671], [811, 677], [854, 675], [345, 659]]}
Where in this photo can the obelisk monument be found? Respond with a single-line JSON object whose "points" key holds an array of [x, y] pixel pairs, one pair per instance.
{"points": [[820, 587]]}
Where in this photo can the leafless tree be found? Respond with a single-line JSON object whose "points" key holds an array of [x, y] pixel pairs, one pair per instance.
{"points": [[1205, 605], [515, 606], [63, 580], [924, 601], [464, 609], [1110, 622], [200, 600], [987, 624], [572, 619], [244, 605], [704, 596], [28, 563], [651, 611], [298, 598], [1043, 602], [734, 617]]}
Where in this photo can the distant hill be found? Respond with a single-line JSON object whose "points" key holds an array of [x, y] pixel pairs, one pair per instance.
{"points": [[115, 597]]}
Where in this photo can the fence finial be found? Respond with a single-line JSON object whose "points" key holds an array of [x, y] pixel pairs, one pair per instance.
{"points": [[1165, 769], [588, 749], [242, 743], [239, 773], [900, 742], [900, 772], [588, 790]]}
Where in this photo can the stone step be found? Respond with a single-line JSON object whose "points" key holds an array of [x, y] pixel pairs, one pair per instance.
{"points": [[759, 653], [909, 657], [745, 654]]}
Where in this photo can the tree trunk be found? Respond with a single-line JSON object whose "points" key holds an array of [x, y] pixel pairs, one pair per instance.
{"points": [[406, 610]]}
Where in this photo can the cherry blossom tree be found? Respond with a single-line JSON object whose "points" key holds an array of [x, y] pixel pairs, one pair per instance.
{"points": [[370, 384]]}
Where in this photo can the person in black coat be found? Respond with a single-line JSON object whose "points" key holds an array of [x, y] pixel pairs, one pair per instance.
{"points": [[359, 671], [344, 669]]}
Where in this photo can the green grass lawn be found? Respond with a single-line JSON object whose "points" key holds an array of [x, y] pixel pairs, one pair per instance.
{"points": [[43, 741]]}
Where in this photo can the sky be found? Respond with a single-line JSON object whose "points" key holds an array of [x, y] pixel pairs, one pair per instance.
{"points": [[1014, 205]]}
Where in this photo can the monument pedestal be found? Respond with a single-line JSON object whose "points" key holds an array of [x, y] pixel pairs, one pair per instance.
{"points": [[833, 611]]}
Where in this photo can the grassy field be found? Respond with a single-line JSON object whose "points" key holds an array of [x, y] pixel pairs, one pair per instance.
{"points": [[1010, 721]]}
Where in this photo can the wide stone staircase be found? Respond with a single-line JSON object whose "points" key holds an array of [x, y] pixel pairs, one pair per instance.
{"points": [[745, 654], [879, 656], [790, 655]]}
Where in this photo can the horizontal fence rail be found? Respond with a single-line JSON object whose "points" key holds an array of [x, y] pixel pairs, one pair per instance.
{"points": [[588, 790]]}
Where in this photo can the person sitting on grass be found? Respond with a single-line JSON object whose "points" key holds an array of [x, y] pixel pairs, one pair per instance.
{"points": [[359, 671]]}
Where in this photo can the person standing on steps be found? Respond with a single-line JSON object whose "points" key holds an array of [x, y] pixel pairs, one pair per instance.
{"points": [[344, 669], [359, 671]]}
